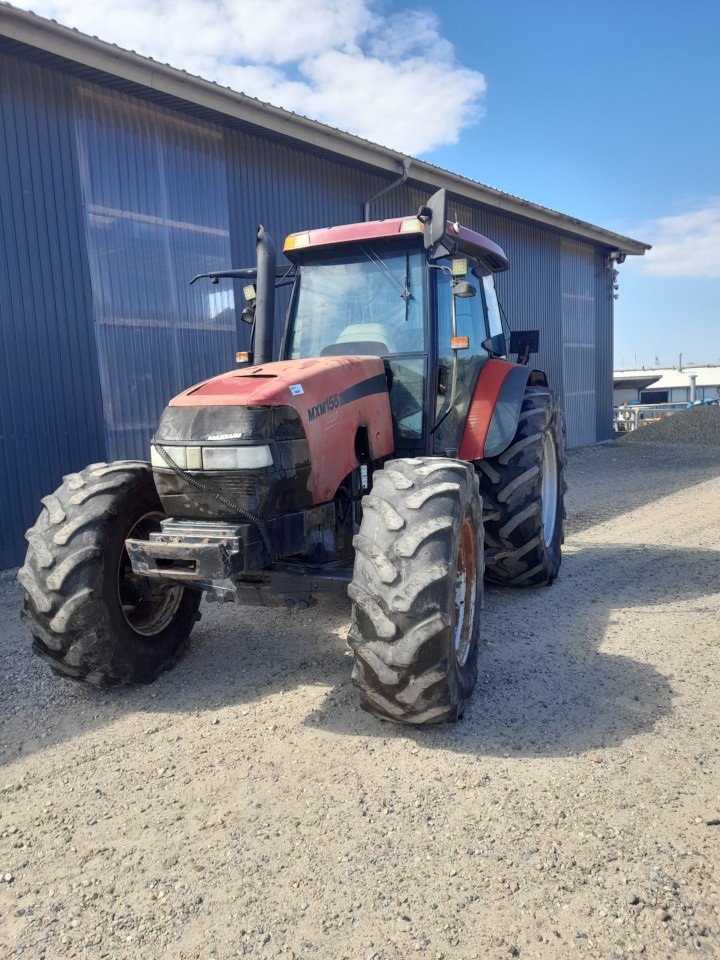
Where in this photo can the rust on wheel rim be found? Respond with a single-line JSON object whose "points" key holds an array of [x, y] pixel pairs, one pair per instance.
{"points": [[465, 592]]}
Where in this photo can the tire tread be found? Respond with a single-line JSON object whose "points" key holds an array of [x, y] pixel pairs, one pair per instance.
{"points": [[400, 628], [62, 577]]}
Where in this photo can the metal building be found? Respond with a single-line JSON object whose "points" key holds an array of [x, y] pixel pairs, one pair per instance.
{"points": [[121, 177]]}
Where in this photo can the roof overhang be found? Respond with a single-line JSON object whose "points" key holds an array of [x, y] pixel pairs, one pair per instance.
{"points": [[633, 383], [106, 58]]}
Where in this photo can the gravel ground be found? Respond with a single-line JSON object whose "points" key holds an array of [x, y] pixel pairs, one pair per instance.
{"points": [[699, 425], [244, 806]]}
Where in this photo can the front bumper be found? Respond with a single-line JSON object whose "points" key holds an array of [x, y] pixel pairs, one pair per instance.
{"points": [[230, 561], [198, 553]]}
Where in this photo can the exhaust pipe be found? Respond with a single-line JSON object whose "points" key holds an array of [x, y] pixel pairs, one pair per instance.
{"points": [[265, 302]]}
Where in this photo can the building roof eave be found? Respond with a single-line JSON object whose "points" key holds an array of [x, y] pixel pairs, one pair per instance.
{"points": [[634, 383]]}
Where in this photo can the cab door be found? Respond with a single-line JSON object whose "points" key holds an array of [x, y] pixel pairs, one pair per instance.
{"points": [[471, 321]]}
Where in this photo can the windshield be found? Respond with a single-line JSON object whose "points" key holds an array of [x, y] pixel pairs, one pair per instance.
{"points": [[367, 300]]}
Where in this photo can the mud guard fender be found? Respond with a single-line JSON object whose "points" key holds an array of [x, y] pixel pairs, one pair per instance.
{"points": [[494, 409]]}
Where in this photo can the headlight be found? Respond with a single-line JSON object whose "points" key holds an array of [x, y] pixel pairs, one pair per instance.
{"points": [[187, 458], [213, 458], [236, 458]]}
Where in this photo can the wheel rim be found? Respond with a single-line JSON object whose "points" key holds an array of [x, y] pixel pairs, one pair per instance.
{"points": [[465, 590], [549, 491], [147, 607]]}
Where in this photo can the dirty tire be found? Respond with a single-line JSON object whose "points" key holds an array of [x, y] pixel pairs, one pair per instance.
{"points": [[72, 581], [511, 485], [418, 575]]}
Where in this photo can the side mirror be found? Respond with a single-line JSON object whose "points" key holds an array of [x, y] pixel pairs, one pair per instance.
{"points": [[523, 343], [495, 346], [248, 314], [434, 217]]}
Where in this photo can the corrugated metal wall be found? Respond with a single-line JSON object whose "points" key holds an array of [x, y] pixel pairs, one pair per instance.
{"points": [[51, 418], [604, 347], [110, 204]]}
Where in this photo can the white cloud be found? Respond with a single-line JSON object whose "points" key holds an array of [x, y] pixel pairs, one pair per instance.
{"points": [[684, 244], [391, 78]]}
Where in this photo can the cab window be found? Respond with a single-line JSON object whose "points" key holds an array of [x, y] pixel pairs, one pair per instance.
{"points": [[495, 324], [470, 318], [363, 300]]}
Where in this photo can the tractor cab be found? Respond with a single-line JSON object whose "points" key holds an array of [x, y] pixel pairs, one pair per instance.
{"points": [[427, 307]]}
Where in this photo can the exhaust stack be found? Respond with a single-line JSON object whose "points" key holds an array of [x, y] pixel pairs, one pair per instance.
{"points": [[265, 303]]}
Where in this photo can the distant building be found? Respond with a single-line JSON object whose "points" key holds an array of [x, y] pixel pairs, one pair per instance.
{"points": [[666, 385]]}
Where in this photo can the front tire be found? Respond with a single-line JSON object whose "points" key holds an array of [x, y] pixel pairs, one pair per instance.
{"points": [[91, 618], [417, 591], [523, 492]]}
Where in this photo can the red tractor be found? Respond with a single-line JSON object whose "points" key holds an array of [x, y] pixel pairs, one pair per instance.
{"points": [[392, 453]]}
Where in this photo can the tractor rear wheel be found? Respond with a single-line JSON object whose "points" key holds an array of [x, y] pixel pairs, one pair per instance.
{"points": [[90, 616], [523, 492], [417, 591]]}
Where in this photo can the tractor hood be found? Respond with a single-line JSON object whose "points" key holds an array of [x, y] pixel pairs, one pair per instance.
{"points": [[336, 405], [305, 385]]}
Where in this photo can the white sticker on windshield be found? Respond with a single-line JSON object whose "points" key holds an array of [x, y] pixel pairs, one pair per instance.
{"points": [[296, 389]]}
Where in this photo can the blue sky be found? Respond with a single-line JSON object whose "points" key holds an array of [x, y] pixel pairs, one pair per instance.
{"points": [[610, 113], [607, 112]]}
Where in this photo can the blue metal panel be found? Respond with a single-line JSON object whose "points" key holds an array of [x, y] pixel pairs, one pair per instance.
{"points": [[604, 346], [579, 347], [50, 409], [154, 186]]}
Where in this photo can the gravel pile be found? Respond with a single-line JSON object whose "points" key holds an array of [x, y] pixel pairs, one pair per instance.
{"points": [[699, 425]]}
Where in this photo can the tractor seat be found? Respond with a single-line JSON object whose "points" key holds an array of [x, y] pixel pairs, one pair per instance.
{"points": [[361, 338]]}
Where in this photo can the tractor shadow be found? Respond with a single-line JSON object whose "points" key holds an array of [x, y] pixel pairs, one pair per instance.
{"points": [[545, 687]]}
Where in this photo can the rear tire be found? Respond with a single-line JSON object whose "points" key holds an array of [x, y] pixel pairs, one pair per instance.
{"points": [[523, 492], [90, 617], [417, 591]]}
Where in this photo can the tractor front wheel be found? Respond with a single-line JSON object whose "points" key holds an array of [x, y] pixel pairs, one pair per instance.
{"points": [[417, 591], [91, 617]]}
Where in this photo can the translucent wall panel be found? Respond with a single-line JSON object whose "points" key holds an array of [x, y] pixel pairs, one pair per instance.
{"points": [[577, 273], [154, 186]]}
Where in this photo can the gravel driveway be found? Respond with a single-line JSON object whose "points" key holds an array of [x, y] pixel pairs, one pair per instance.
{"points": [[244, 806]]}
